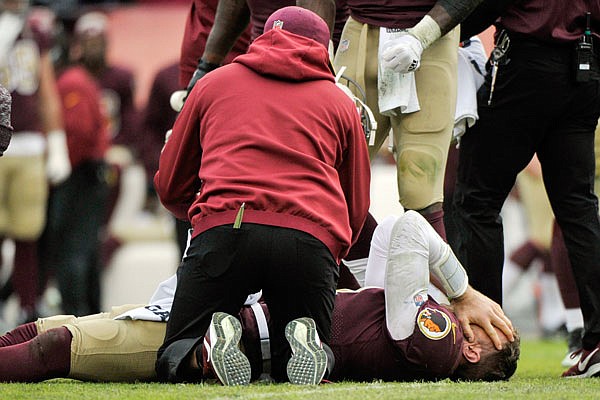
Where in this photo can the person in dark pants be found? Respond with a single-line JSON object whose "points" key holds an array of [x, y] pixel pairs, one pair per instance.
{"points": [[541, 96], [70, 243], [276, 192]]}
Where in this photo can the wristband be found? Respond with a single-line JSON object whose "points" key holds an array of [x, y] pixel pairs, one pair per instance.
{"points": [[426, 31], [202, 69], [207, 66]]}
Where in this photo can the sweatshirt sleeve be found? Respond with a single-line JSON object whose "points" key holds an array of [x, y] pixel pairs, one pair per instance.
{"points": [[355, 176], [177, 180]]}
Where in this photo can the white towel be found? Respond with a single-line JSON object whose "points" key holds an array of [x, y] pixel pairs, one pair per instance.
{"points": [[397, 92], [471, 65]]}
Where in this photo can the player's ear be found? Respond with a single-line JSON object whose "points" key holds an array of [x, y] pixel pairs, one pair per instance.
{"points": [[472, 351]]}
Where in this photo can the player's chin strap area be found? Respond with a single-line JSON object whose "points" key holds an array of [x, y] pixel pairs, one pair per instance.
{"points": [[263, 333], [367, 118]]}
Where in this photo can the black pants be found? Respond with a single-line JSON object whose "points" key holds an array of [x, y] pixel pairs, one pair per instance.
{"points": [[296, 272], [537, 107], [70, 243]]}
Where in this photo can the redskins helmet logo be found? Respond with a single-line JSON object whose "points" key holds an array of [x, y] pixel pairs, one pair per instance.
{"points": [[435, 324]]}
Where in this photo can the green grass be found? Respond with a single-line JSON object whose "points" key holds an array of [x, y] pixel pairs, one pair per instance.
{"points": [[537, 377]]}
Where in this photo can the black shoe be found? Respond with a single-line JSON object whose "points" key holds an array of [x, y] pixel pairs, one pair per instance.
{"points": [[588, 365]]}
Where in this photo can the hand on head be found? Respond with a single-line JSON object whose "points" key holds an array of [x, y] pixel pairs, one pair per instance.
{"points": [[475, 308]]}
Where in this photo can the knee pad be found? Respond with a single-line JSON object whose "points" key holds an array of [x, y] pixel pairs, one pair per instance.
{"points": [[420, 176]]}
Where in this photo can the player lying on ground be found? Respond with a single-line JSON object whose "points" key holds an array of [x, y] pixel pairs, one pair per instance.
{"points": [[394, 333]]}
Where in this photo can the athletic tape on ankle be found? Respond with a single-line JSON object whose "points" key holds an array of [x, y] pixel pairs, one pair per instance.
{"points": [[426, 30], [451, 275]]}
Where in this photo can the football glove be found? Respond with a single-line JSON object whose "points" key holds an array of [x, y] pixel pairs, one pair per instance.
{"points": [[403, 54]]}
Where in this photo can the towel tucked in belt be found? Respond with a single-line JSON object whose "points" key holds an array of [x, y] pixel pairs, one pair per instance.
{"points": [[397, 92], [471, 69]]}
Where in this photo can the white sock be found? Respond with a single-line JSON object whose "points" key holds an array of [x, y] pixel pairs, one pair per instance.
{"points": [[574, 319]]}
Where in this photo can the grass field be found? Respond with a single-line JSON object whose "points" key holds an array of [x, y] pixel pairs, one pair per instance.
{"points": [[537, 377]]}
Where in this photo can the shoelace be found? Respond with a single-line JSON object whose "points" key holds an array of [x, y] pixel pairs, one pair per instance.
{"points": [[575, 353]]}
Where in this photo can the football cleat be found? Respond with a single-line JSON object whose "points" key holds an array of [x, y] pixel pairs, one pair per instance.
{"points": [[225, 358], [308, 363], [588, 365]]}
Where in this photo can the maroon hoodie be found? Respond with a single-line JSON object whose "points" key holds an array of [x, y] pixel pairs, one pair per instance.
{"points": [[270, 130]]}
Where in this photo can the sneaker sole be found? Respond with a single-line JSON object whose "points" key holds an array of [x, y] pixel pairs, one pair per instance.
{"points": [[309, 361], [229, 364]]}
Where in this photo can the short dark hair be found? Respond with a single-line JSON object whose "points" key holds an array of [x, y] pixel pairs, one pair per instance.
{"points": [[498, 365]]}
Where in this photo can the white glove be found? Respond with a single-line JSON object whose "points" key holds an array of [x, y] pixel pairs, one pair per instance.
{"points": [[403, 54], [58, 165], [177, 99], [168, 135]]}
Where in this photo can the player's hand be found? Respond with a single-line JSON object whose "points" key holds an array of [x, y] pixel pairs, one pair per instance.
{"points": [[402, 54], [178, 98], [475, 308], [202, 69]]}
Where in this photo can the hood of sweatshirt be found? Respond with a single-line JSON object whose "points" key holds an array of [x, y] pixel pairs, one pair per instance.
{"points": [[284, 55]]}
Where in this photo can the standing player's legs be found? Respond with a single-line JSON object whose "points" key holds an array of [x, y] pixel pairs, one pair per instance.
{"points": [[422, 139], [359, 46], [566, 281], [567, 157], [27, 197], [486, 174], [358, 53]]}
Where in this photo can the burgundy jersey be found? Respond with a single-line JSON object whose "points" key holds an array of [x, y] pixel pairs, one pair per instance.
{"points": [[362, 345], [341, 15], [365, 351], [117, 86], [389, 13], [198, 25], [552, 20], [87, 138], [19, 74], [158, 117]]}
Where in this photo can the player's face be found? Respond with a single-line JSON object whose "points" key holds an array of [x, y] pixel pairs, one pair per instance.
{"points": [[484, 340], [93, 49]]}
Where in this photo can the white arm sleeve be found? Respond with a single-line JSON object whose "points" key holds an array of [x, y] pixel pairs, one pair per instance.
{"points": [[415, 252], [378, 253]]}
